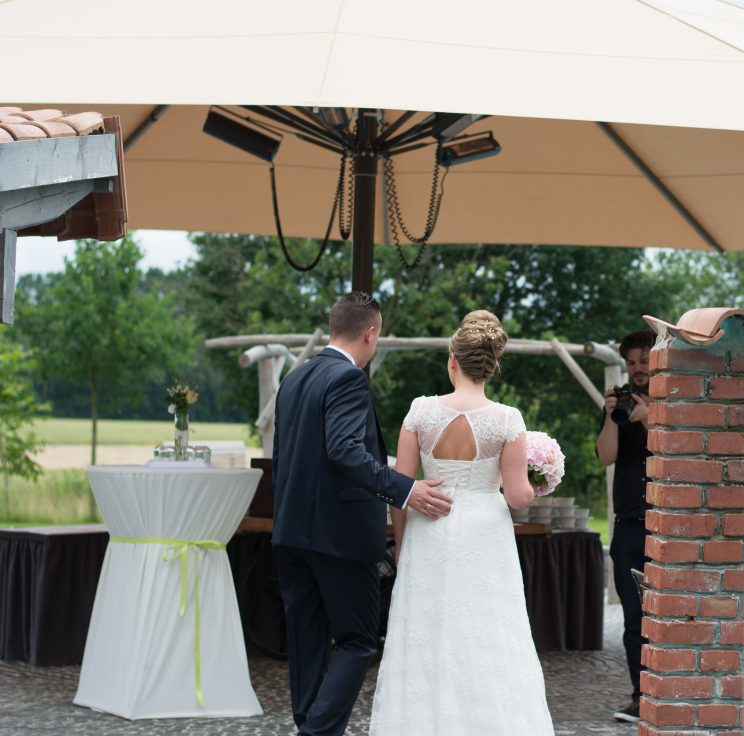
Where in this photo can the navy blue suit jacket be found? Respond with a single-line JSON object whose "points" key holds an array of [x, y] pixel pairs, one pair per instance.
{"points": [[330, 474]]}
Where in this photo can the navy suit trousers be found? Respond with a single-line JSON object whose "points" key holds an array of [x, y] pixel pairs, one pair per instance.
{"points": [[327, 598]]}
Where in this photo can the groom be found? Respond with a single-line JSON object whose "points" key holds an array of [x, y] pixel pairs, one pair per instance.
{"points": [[331, 484]]}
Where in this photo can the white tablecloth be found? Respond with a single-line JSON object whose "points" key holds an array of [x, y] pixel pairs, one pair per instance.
{"points": [[139, 657]]}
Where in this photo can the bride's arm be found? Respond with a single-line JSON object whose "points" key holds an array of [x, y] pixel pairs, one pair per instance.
{"points": [[517, 489], [407, 462]]}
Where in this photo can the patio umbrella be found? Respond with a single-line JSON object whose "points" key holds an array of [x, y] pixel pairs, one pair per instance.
{"points": [[620, 123]]}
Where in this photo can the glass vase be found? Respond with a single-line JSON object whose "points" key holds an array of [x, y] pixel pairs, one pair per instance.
{"points": [[181, 435]]}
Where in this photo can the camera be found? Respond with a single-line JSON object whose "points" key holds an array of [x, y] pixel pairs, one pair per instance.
{"points": [[625, 404]]}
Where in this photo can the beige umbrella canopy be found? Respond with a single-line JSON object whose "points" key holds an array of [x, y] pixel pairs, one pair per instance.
{"points": [[668, 171], [554, 182]]}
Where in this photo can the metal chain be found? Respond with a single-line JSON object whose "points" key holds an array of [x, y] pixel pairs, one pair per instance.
{"points": [[396, 217], [346, 205]]}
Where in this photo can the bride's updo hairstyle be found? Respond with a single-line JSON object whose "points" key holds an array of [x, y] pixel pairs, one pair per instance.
{"points": [[477, 345]]}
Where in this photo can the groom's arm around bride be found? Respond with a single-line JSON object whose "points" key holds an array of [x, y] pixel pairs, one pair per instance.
{"points": [[331, 484]]}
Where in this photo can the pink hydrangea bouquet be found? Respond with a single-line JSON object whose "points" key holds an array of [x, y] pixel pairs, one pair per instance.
{"points": [[545, 460]]}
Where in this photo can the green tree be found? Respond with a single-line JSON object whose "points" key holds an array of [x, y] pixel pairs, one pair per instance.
{"points": [[18, 407], [97, 327]]}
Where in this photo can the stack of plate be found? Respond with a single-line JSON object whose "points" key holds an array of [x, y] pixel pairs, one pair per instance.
{"points": [[564, 516], [558, 512]]}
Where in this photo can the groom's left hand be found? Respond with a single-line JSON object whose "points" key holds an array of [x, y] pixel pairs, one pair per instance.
{"points": [[427, 501]]}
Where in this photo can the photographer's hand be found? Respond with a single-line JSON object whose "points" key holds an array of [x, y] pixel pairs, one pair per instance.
{"points": [[610, 399], [640, 411]]}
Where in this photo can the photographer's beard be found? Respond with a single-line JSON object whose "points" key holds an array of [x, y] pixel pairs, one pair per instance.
{"points": [[639, 383]]}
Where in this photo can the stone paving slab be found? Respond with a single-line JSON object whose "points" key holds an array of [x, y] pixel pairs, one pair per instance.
{"points": [[584, 688]]}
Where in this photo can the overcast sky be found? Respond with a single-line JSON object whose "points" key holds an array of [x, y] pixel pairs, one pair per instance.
{"points": [[164, 249]]}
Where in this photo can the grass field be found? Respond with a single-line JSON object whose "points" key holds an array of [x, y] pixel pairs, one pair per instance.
{"points": [[133, 432], [600, 525]]}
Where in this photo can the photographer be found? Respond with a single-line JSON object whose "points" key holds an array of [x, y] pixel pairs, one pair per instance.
{"points": [[622, 441]]}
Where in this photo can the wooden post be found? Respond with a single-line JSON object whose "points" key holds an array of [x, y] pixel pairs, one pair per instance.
{"points": [[7, 275], [577, 372]]}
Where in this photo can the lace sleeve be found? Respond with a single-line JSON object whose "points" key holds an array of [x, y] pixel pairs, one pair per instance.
{"points": [[514, 425], [411, 421]]}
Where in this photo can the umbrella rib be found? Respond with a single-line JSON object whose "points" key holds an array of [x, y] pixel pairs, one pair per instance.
{"points": [[155, 115], [659, 185], [691, 26]]}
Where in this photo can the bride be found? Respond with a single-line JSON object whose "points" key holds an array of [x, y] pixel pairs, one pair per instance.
{"points": [[459, 657]]}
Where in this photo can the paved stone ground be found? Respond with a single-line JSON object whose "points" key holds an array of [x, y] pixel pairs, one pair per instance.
{"points": [[583, 690]]}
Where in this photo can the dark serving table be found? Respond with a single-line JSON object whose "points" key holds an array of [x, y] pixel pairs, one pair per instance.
{"points": [[48, 580]]}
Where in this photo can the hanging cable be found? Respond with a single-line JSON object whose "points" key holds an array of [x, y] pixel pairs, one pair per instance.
{"points": [[344, 220], [396, 217]]}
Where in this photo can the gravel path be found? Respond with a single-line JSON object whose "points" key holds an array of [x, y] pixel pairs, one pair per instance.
{"points": [[583, 690]]}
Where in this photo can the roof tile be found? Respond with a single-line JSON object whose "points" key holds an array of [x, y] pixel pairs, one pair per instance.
{"points": [[25, 125]]}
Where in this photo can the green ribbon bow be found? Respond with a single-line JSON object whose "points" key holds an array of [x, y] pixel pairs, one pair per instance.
{"points": [[179, 549]]}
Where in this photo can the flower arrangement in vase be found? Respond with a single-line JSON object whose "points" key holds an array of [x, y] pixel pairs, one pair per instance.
{"points": [[180, 398]]}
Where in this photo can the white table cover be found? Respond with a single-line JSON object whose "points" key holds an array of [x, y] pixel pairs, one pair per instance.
{"points": [[139, 657]]}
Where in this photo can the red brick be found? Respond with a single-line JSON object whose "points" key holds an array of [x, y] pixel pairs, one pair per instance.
{"points": [[664, 631], [646, 729], [733, 580], [670, 550], [725, 443], [668, 660], [669, 686], [719, 660], [726, 387], [661, 577], [686, 470], [674, 497], [732, 632], [719, 607], [737, 363], [674, 442], [663, 386], [735, 416], [680, 524], [694, 359], [726, 497], [687, 414], [665, 604], [667, 714], [735, 471], [723, 551], [732, 687], [716, 714], [733, 525]]}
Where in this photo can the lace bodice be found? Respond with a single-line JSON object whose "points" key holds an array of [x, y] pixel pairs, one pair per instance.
{"points": [[492, 425]]}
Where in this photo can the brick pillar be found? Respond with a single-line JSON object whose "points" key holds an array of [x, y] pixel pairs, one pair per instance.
{"points": [[694, 607]]}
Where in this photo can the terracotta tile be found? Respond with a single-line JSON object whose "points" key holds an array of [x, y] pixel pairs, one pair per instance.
{"points": [[13, 118], [5, 137], [24, 131], [698, 326], [84, 122], [56, 129], [4, 110], [42, 115]]}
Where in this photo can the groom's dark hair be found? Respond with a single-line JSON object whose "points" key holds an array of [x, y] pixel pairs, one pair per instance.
{"points": [[352, 314]]}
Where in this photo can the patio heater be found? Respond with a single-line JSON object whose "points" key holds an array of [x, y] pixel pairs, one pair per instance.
{"points": [[361, 138]]}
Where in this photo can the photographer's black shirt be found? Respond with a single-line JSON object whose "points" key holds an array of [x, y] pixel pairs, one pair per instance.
{"points": [[629, 486]]}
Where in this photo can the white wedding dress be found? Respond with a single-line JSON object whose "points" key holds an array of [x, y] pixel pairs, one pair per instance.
{"points": [[459, 659]]}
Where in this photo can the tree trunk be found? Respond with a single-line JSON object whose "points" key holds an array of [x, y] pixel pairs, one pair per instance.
{"points": [[92, 507]]}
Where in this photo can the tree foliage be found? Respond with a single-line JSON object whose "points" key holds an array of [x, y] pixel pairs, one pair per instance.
{"points": [[100, 333], [102, 322], [18, 407]]}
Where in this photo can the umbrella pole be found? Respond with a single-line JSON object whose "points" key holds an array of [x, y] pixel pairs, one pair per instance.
{"points": [[365, 180]]}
